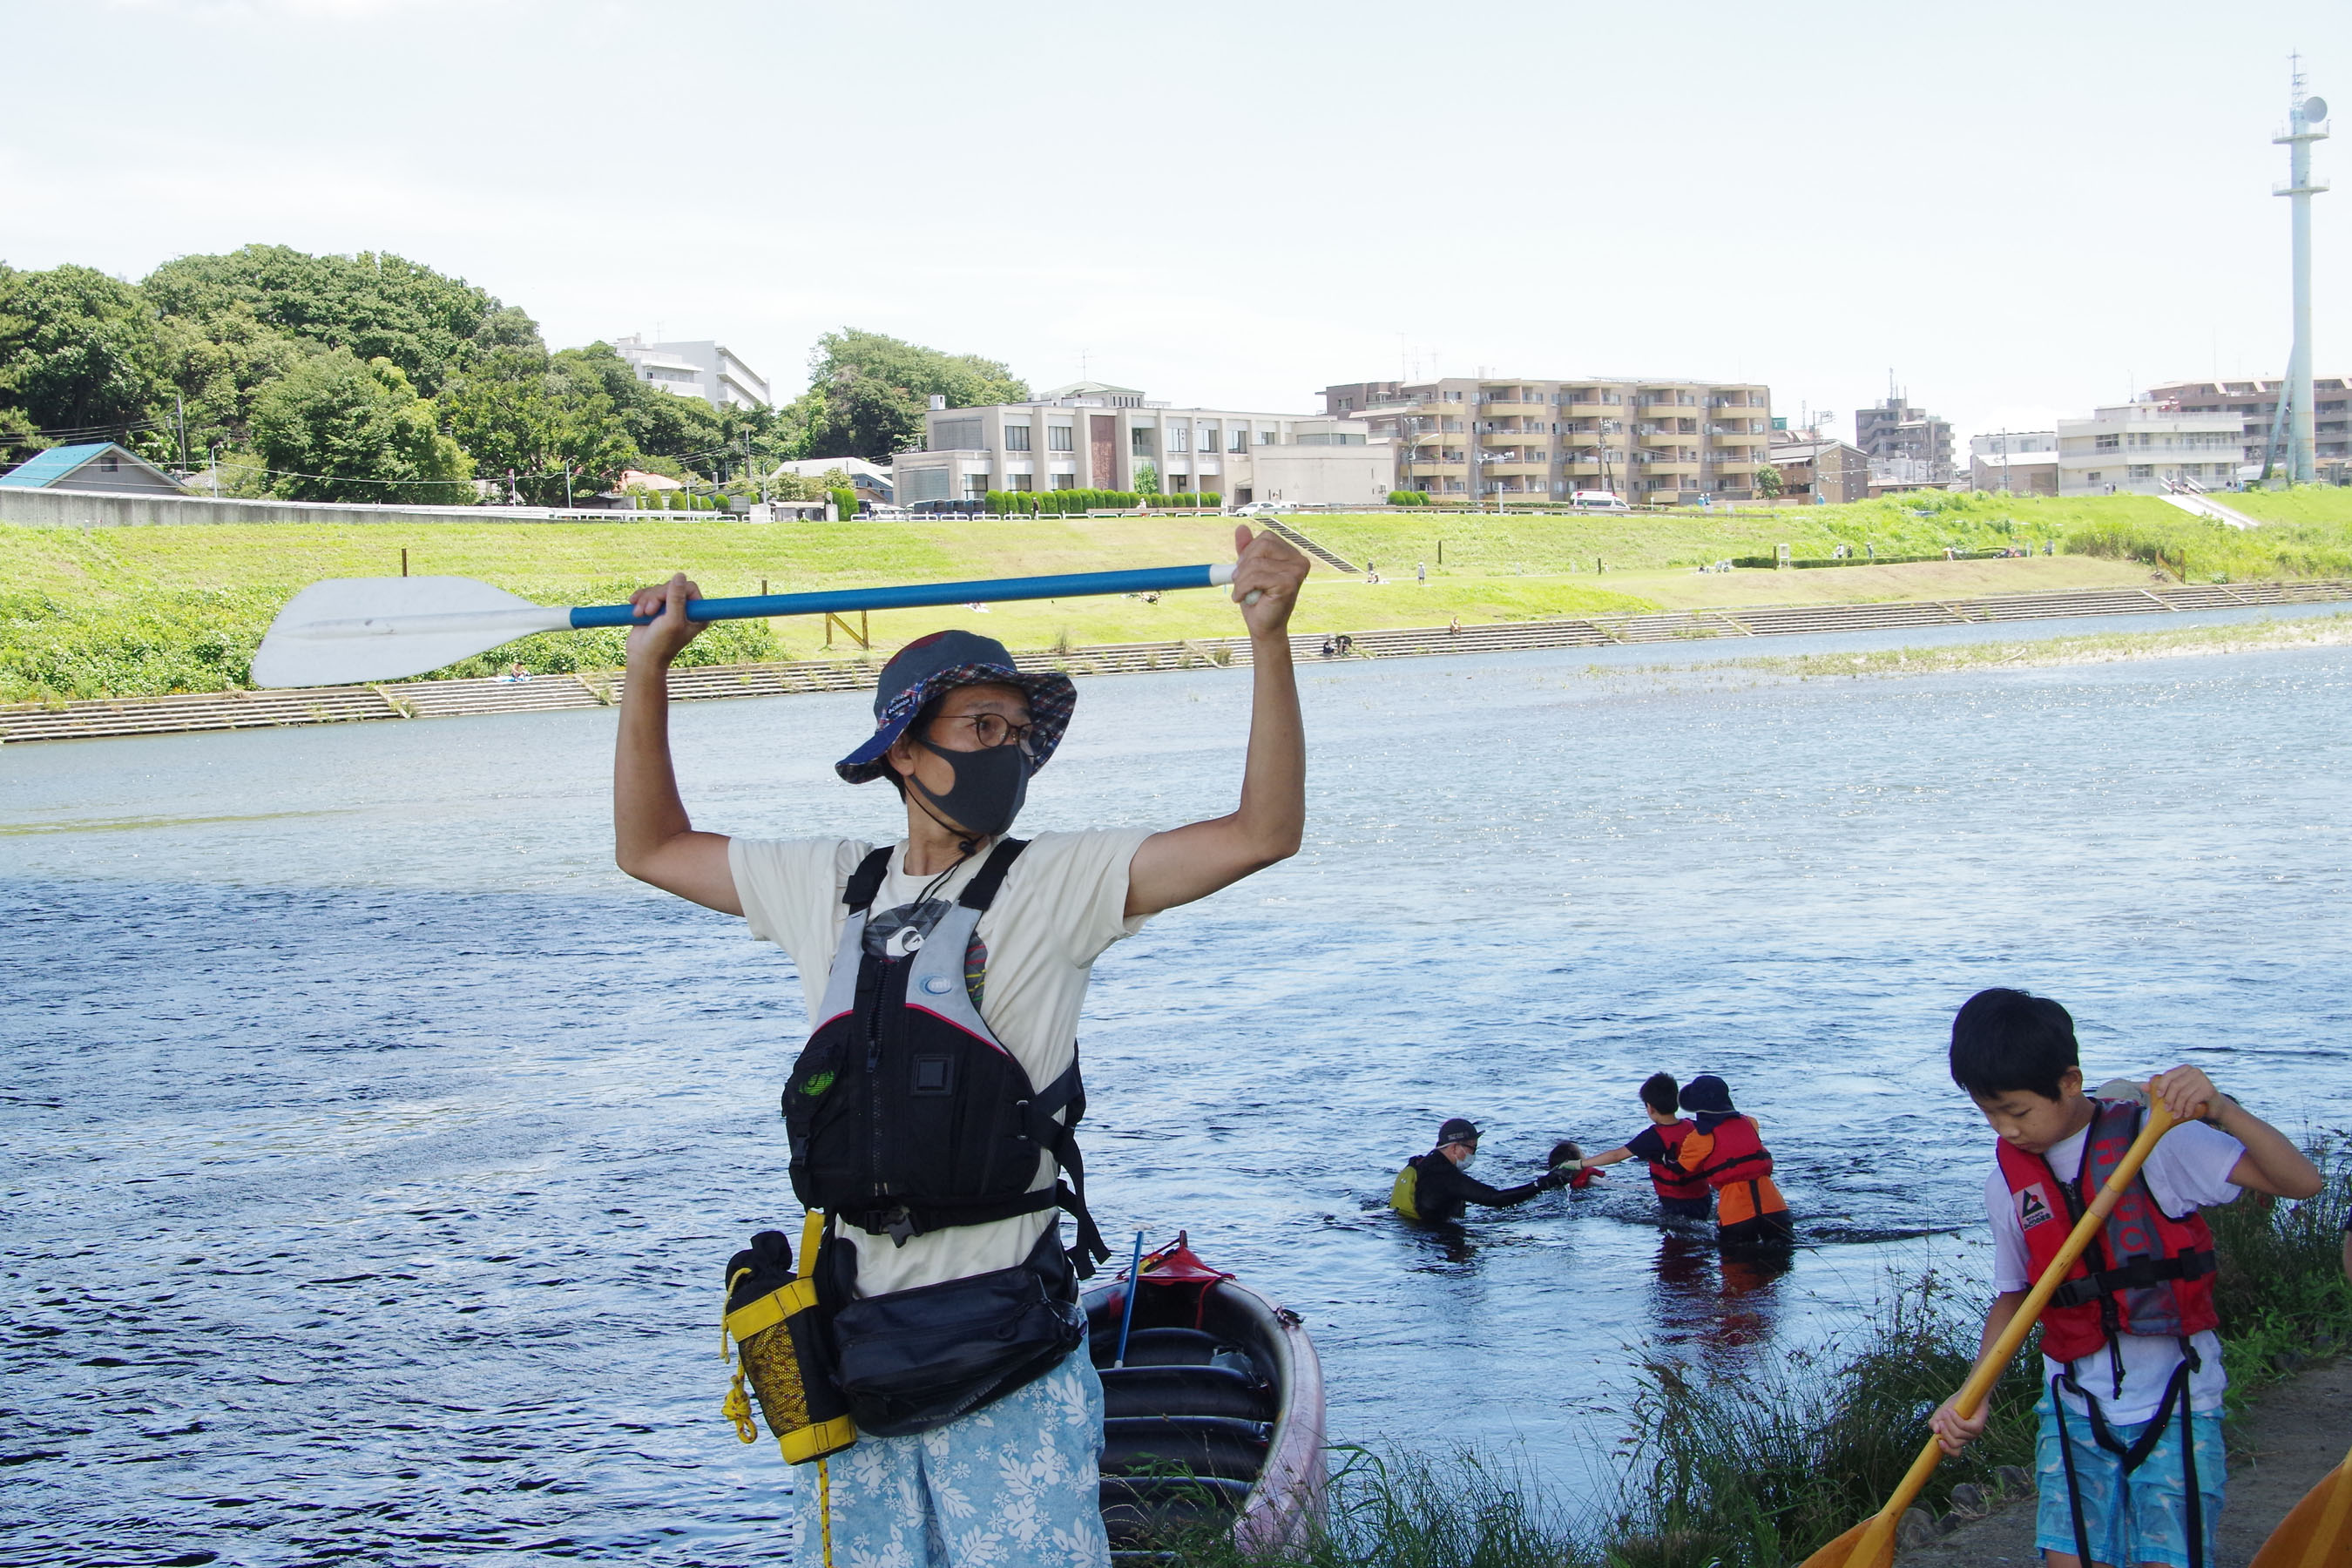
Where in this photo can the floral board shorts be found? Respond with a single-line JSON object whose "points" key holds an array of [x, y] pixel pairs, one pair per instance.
{"points": [[1011, 1484], [2142, 1518]]}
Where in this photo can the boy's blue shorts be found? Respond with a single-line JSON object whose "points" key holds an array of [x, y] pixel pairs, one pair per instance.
{"points": [[2143, 1518]]}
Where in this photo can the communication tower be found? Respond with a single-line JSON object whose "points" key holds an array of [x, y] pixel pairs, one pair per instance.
{"points": [[2306, 121]]}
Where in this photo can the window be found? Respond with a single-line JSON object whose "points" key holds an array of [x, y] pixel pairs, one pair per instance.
{"points": [[2143, 471], [1064, 482], [2107, 443], [1180, 438], [2093, 477], [1016, 438], [1058, 438], [955, 435], [1019, 482], [1266, 438], [1208, 441], [1237, 439], [1139, 441], [975, 487]]}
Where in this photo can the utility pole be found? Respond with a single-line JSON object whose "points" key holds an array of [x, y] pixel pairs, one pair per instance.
{"points": [[2305, 113], [179, 414]]}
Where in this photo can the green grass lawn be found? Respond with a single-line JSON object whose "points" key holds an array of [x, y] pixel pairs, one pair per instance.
{"points": [[146, 611]]}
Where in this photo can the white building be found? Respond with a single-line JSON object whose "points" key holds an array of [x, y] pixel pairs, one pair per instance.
{"points": [[2147, 448], [1087, 440], [2015, 462], [707, 370]]}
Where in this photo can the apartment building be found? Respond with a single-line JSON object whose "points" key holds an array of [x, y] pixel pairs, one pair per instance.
{"points": [[2014, 462], [1092, 436], [1486, 438], [2147, 448], [704, 369], [2256, 403], [1906, 445]]}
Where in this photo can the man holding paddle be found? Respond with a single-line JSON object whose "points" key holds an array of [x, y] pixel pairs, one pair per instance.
{"points": [[931, 1113], [2130, 1465]]}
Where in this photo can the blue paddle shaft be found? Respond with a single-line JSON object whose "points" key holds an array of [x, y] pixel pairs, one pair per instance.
{"points": [[1134, 1284], [838, 601]]}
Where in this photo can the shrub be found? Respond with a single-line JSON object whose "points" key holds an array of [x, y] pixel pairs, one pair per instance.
{"points": [[1408, 498]]}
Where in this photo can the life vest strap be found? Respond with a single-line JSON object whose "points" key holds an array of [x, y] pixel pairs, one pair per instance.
{"points": [[864, 883], [980, 892], [2139, 1274]]}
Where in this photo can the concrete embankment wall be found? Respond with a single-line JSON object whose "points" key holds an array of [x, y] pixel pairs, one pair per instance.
{"points": [[101, 509], [449, 698]]}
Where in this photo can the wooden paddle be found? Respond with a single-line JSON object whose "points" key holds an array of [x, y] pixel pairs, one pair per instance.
{"points": [[1871, 1544], [2317, 1531]]}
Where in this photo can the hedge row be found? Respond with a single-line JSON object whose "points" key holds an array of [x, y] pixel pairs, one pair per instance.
{"points": [[1408, 498], [1186, 497], [675, 501], [1052, 503]]}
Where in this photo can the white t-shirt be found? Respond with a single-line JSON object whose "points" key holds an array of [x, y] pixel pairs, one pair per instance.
{"points": [[1063, 903], [2189, 1169]]}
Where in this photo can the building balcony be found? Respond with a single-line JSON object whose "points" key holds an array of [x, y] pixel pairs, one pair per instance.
{"points": [[1669, 411], [1679, 466], [1595, 410], [1515, 467], [1584, 468], [1436, 468], [1514, 411]]}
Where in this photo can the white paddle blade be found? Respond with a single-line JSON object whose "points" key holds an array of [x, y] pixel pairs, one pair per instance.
{"points": [[382, 628]]}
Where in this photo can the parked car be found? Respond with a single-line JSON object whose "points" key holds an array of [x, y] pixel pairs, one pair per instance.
{"points": [[1597, 500], [1262, 509]]}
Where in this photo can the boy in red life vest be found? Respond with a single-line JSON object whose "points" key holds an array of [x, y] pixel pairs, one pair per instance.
{"points": [[1682, 1192], [2129, 1464], [1726, 1149]]}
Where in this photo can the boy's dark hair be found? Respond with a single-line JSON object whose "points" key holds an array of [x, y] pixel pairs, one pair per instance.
{"points": [[1660, 1093], [2004, 1041]]}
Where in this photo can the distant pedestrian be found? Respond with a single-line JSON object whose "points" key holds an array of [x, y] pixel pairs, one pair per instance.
{"points": [[1453, 627], [1420, 572]]}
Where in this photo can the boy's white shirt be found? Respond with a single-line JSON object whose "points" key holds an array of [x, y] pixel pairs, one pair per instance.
{"points": [[2190, 1169], [1063, 903]]}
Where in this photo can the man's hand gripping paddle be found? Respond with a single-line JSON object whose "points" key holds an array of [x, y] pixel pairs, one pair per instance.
{"points": [[1871, 1544], [2317, 1531], [382, 628]]}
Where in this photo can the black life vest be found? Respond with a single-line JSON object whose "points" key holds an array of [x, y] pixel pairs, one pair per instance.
{"points": [[906, 1114]]}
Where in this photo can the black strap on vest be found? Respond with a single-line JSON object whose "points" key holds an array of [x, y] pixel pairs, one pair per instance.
{"points": [[2139, 1274], [865, 882], [2134, 1455]]}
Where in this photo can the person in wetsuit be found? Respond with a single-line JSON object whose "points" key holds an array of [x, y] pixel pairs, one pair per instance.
{"points": [[1434, 1188]]}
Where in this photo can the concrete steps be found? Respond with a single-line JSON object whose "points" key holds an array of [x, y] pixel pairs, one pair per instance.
{"points": [[1282, 529], [550, 693]]}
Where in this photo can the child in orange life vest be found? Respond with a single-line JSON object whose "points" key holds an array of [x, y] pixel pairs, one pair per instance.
{"points": [[1726, 1149], [1682, 1192], [2129, 1462]]}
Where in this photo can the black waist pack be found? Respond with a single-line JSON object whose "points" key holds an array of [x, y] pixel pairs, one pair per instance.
{"points": [[913, 1360]]}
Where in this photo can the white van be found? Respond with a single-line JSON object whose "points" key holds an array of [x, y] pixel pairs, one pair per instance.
{"points": [[1597, 500]]}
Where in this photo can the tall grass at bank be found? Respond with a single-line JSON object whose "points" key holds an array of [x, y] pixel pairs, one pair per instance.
{"points": [[1757, 1467]]}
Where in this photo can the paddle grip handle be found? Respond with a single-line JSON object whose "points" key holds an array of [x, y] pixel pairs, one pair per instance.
{"points": [[923, 595]]}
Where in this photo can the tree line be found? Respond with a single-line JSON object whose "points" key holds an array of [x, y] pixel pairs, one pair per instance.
{"points": [[374, 378]]}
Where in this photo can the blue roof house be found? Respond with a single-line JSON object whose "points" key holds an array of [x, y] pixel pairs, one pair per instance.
{"points": [[99, 466]]}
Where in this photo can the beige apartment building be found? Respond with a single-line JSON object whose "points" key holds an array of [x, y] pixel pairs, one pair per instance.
{"points": [[1090, 436], [1485, 438], [2257, 402]]}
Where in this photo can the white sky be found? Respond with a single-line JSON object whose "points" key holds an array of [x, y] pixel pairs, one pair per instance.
{"points": [[2020, 209]]}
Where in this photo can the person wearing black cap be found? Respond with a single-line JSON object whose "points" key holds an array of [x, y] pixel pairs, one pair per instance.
{"points": [[944, 976], [1434, 1189], [1727, 1150]]}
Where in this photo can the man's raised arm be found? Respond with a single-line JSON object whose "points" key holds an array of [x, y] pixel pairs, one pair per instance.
{"points": [[653, 840], [1192, 862]]}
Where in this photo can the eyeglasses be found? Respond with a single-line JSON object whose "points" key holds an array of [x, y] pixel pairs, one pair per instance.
{"points": [[995, 729]]}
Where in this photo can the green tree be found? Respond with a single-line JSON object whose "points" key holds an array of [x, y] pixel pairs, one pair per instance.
{"points": [[547, 419], [868, 393], [377, 305], [1768, 482], [218, 367], [1147, 477], [78, 351], [335, 429]]}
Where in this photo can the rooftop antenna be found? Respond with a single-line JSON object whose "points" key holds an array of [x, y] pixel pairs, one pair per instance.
{"points": [[2305, 113]]}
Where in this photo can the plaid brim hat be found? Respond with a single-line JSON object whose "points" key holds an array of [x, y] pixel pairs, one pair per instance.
{"points": [[939, 663]]}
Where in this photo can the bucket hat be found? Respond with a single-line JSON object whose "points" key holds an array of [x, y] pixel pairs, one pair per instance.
{"points": [[1707, 1095], [939, 663]]}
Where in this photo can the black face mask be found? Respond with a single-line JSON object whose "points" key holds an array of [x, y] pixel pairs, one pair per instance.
{"points": [[988, 789]]}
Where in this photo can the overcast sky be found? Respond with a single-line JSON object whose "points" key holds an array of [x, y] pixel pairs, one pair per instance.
{"points": [[2020, 210]]}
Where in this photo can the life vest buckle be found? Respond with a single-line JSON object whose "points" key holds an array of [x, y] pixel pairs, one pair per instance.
{"points": [[899, 1225]]}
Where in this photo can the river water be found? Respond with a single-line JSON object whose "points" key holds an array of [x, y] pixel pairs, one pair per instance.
{"points": [[373, 1147]]}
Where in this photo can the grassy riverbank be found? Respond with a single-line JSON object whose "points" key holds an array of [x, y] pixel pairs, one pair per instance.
{"points": [[151, 611], [1757, 1467]]}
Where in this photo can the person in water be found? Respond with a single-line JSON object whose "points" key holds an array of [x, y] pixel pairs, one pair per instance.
{"points": [[2129, 1463], [1682, 1193], [1725, 1150], [944, 975], [1434, 1188]]}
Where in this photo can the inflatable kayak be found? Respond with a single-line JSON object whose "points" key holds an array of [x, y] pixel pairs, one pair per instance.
{"points": [[1214, 1419]]}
